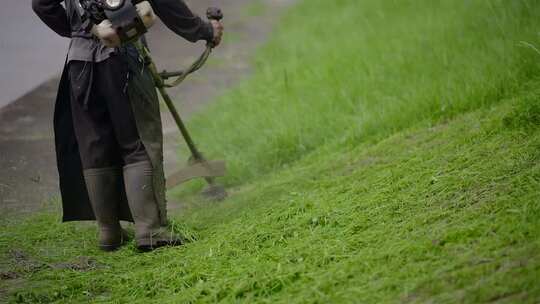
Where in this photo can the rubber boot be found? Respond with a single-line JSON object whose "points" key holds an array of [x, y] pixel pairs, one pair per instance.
{"points": [[103, 187], [149, 234]]}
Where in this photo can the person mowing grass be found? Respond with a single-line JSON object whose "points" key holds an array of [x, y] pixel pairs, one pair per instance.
{"points": [[107, 120]]}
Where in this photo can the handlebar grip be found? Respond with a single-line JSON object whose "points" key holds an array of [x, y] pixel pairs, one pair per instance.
{"points": [[214, 13]]}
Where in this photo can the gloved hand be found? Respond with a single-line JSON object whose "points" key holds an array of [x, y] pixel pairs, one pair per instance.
{"points": [[218, 31]]}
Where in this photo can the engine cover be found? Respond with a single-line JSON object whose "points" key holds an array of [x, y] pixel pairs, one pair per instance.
{"points": [[115, 27]]}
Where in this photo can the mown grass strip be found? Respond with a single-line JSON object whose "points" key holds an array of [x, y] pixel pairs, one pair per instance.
{"points": [[446, 214]]}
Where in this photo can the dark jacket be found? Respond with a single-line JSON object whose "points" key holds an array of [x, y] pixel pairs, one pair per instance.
{"points": [[174, 14], [67, 23], [143, 97]]}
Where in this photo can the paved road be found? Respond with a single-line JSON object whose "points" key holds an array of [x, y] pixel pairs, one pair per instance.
{"points": [[29, 53], [28, 177]]}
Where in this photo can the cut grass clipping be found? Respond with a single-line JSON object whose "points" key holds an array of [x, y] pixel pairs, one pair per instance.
{"points": [[382, 152]]}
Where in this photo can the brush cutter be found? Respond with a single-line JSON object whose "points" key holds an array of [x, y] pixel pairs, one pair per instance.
{"points": [[198, 166]]}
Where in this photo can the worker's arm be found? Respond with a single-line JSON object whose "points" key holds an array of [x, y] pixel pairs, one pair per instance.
{"points": [[54, 15], [180, 19]]}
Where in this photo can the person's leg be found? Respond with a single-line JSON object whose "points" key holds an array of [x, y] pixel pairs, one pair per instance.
{"points": [[112, 87], [98, 151], [138, 170], [93, 127]]}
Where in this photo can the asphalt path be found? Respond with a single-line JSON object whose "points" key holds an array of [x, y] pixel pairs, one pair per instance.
{"points": [[29, 52]]}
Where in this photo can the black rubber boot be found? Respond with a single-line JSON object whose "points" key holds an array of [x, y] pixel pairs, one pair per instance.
{"points": [[104, 186], [149, 234]]}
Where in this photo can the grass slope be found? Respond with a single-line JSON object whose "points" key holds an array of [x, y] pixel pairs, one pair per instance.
{"points": [[352, 71], [399, 162]]}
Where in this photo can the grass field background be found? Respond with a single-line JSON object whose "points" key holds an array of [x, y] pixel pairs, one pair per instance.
{"points": [[347, 72], [382, 152]]}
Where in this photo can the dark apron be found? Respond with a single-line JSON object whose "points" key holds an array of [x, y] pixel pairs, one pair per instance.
{"points": [[145, 105]]}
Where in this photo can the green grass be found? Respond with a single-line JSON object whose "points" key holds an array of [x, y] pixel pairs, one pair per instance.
{"points": [[382, 152], [354, 71]]}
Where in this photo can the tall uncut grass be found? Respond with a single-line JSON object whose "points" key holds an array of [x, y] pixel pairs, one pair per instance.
{"points": [[349, 71]]}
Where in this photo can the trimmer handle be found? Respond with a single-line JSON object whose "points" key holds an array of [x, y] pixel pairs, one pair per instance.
{"points": [[214, 13]]}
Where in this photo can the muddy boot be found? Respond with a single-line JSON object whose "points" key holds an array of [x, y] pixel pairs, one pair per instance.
{"points": [[149, 234], [103, 187]]}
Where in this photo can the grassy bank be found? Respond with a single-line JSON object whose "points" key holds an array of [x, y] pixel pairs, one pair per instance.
{"points": [[349, 72], [382, 152]]}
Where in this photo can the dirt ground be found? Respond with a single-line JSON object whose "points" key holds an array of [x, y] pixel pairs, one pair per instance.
{"points": [[28, 176]]}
